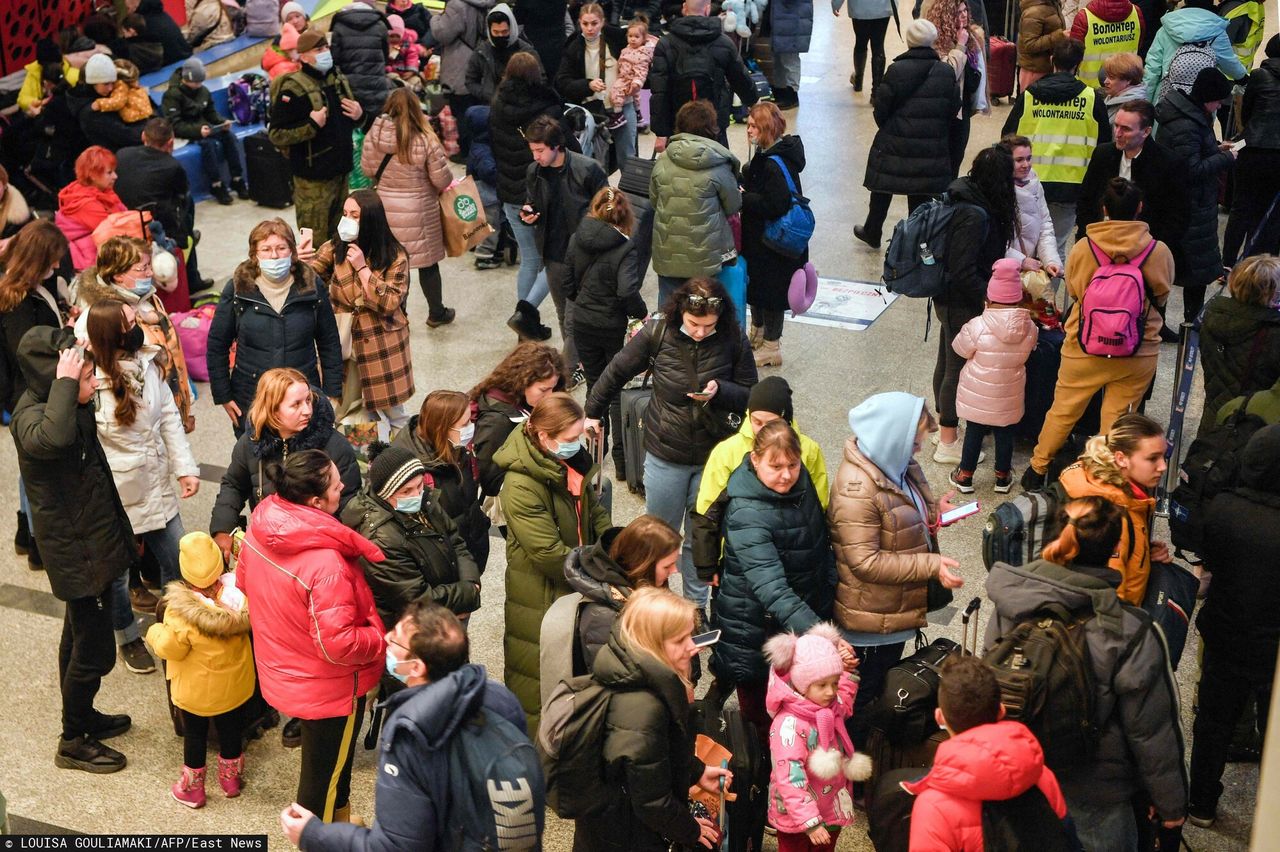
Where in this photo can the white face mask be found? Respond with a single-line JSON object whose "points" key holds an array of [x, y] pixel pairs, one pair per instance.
{"points": [[465, 434], [348, 229]]}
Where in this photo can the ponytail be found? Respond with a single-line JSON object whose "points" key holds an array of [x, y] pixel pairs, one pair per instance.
{"points": [[1128, 430]]}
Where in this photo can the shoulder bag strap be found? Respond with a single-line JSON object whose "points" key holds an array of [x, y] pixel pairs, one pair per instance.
{"points": [[786, 173], [377, 178], [655, 343]]}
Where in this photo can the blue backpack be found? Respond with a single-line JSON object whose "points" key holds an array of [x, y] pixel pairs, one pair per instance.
{"points": [[496, 792], [790, 233]]}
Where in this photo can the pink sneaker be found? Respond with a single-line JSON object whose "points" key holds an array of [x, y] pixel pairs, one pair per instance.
{"points": [[231, 775], [189, 790]]}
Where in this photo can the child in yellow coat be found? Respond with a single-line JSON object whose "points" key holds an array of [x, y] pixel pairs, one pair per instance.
{"points": [[127, 96], [204, 638]]}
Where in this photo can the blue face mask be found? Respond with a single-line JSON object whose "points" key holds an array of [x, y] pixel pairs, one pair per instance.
{"points": [[567, 449], [324, 62], [275, 268], [409, 505], [142, 287], [392, 663]]}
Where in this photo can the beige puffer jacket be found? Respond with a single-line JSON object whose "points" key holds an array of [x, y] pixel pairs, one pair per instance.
{"points": [[410, 192], [883, 556]]}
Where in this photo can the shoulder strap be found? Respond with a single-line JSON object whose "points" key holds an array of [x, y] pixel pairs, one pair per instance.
{"points": [[786, 173], [1098, 254], [382, 167], [655, 343], [1144, 254]]}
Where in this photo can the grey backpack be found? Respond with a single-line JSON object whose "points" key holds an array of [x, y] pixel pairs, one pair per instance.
{"points": [[262, 18]]}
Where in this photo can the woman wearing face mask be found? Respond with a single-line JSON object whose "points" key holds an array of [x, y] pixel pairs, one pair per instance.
{"points": [[368, 274], [123, 272], [550, 508], [702, 371], [440, 435], [86, 201], [317, 638], [588, 67], [141, 433], [425, 555], [277, 316]]}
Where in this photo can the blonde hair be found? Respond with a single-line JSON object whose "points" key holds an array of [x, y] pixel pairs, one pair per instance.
{"points": [[1129, 430], [1123, 66], [554, 413], [652, 616], [591, 9], [612, 207], [272, 387], [1255, 280]]}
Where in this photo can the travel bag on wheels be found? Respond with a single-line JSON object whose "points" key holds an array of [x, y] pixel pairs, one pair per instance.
{"points": [[745, 816], [1001, 67], [270, 176], [635, 401]]}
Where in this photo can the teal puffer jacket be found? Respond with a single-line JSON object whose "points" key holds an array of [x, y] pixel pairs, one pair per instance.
{"points": [[694, 190]]}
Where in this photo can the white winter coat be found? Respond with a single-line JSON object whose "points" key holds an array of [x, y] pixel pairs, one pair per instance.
{"points": [[148, 456], [1035, 237]]}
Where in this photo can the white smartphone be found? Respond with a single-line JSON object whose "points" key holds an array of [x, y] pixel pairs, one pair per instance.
{"points": [[706, 640], [305, 236], [960, 512]]}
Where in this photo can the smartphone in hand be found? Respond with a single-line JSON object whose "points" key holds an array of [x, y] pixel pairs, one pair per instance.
{"points": [[960, 512]]}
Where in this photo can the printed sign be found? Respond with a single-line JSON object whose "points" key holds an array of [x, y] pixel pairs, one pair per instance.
{"points": [[852, 305]]}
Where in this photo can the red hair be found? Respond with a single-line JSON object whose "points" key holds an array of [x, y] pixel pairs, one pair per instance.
{"points": [[95, 161]]}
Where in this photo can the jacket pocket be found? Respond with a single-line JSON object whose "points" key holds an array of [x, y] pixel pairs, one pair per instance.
{"points": [[131, 479]]}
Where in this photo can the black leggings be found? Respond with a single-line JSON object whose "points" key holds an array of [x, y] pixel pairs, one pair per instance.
{"points": [[328, 749], [596, 348], [771, 320], [869, 32], [433, 289], [878, 209], [195, 736]]}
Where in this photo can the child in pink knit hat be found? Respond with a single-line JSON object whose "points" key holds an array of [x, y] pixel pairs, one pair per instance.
{"points": [[810, 697]]}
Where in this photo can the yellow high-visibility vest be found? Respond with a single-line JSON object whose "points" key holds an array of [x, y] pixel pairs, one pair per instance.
{"points": [[1062, 136], [1257, 15], [1102, 39]]}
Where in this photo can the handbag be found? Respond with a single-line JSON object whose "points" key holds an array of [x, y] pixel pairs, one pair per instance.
{"points": [[790, 233], [462, 217], [346, 322]]}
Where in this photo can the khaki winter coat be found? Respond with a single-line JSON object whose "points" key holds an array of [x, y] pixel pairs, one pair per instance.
{"points": [[1041, 28], [410, 192], [884, 555], [206, 646]]}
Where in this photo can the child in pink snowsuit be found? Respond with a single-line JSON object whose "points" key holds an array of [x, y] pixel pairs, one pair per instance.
{"points": [[633, 66], [810, 698]]}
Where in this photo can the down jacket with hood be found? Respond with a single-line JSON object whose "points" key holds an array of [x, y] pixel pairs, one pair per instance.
{"points": [[358, 40], [696, 34], [648, 755], [545, 521], [188, 109], [603, 279], [81, 209], [497, 416], [694, 191], [1240, 350], [765, 197], [676, 428], [488, 61], [1035, 237], [913, 108], [204, 642], [1186, 129], [457, 31], [515, 104], [317, 638], [779, 571], [1132, 560], [1140, 745], [81, 527], [993, 382], [974, 243], [988, 763], [604, 587], [1040, 29], [882, 516], [410, 191], [1061, 88], [1189, 25]]}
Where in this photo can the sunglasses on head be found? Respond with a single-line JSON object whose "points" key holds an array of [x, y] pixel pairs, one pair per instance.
{"points": [[699, 302]]}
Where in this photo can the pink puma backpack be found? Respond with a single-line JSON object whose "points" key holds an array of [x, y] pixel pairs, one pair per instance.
{"points": [[1113, 311]]}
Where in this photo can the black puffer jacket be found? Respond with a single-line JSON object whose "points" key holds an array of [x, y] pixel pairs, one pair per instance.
{"points": [[603, 280], [1242, 549], [358, 39], [604, 587], [457, 488], [165, 30], [1187, 130], [648, 753], [245, 483], [1261, 110], [688, 36], [32, 311], [515, 105], [974, 243], [676, 428], [572, 80], [83, 532], [1240, 349], [187, 109], [488, 61], [543, 23], [765, 197], [914, 105], [497, 416]]}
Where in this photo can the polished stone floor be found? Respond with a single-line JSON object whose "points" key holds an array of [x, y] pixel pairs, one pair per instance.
{"points": [[830, 369]]}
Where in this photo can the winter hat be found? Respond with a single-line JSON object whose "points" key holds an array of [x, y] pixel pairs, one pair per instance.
{"points": [[288, 37], [1210, 85], [814, 656], [199, 559], [289, 8], [99, 69], [1005, 285], [390, 468], [82, 44], [395, 24], [310, 40], [772, 394], [193, 70], [164, 266], [920, 33], [47, 51], [1272, 49]]}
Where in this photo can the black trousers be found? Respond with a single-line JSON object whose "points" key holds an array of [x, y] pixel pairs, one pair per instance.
{"points": [[946, 370], [195, 735], [1257, 185], [328, 749], [869, 33], [86, 655], [771, 320], [959, 140], [596, 348], [1225, 688], [433, 289], [878, 209]]}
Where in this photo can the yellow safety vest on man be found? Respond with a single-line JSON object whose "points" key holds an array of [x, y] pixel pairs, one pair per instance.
{"points": [[1104, 38], [1256, 14], [1062, 136]]}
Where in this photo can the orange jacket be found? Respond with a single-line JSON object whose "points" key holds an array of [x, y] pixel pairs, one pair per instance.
{"points": [[1133, 555]]}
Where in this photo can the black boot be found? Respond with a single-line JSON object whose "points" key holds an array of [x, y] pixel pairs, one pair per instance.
{"points": [[877, 74], [22, 536], [867, 237], [34, 562], [859, 65], [239, 188], [527, 322]]}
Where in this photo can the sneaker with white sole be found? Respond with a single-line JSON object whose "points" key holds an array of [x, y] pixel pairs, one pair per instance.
{"points": [[950, 453], [135, 657]]}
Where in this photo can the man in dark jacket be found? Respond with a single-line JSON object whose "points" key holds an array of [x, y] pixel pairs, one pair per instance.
{"points": [[162, 28], [359, 38], [427, 650], [1258, 165], [313, 112], [695, 59], [1186, 128], [81, 529], [559, 186], [189, 107], [489, 60]]}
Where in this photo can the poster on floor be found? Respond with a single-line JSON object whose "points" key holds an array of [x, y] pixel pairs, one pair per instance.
{"points": [[852, 305]]}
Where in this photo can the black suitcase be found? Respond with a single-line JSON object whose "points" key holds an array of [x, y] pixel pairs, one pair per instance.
{"points": [[744, 817], [268, 171], [635, 401], [886, 757], [1042, 378], [634, 177], [889, 823], [904, 710]]}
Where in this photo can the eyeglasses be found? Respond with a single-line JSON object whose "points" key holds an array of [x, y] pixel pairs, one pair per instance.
{"points": [[699, 302]]}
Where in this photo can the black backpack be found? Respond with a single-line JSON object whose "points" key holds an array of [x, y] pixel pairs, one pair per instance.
{"points": [[695, 75], [570, 746], [1026, 821], [905, 708]]}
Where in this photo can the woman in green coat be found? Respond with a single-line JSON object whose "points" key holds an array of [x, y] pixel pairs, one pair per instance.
{"points": [[550, 508]]}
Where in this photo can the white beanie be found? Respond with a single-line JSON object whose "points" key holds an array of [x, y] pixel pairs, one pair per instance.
{"points": [[920, 33], [99, 69], [289, 8]]}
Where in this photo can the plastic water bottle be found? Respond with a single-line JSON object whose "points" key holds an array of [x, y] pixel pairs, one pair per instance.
{"points": [[926, 254]]}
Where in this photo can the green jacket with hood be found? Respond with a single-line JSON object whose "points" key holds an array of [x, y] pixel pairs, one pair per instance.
{"points": [[694, 191]]}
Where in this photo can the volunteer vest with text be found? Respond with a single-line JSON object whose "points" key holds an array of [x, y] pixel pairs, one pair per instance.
{"points": [[1102, 39], [1063, 136]]}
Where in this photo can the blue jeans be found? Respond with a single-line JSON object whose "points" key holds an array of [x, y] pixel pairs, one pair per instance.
{"points": [[972, 450], [624, 137], [123, 621], [667, 285], [25, 506], [670, 492], [1104, 828], [531, 279], [163, 544], [216, 147]]}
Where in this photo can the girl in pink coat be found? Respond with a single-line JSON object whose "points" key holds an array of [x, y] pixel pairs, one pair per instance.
{"points": [[633, 66], [810, 697], [992, 386]]}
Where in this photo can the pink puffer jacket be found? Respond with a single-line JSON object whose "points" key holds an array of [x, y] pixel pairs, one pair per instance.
{"points": [[410, 192], [993, 383]]}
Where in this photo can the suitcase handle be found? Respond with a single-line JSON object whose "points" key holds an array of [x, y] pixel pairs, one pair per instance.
{"points": [[967, 647]]}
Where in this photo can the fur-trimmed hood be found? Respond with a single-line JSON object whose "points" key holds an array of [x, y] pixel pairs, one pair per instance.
{"points": [[14, 208], [213, 619], [245, 278], [315, 437], [92, 289]]}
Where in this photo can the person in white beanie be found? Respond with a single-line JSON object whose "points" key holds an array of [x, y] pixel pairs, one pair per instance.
{"points": [[292, 13], [100, 73]]}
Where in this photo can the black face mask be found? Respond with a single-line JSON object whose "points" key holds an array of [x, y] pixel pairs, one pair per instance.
{"points": [[133, 340]]}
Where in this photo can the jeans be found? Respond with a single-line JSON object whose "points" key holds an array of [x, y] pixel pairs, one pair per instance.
{"points": [[1225, 688], [1063, 216], [596, 348], [869, 32], [786, 70], [1104, 828], [123, 621], [557, 270], [624, 136], [494, 215], [874, 665], [771, 320], [946, 370], [531, 278], [670, 492], [328, 749], [667, 285], [216, 147], [195, 736], [163, 544], [972, 449], [25, 506], [878, 210], [85, 656]]}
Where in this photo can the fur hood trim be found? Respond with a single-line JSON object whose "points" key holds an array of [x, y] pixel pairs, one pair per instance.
{"points": [[245, 278], [210, 619], [15, 208]]}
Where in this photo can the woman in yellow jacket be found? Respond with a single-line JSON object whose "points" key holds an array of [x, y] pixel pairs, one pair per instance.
{"points": [[204, 638]]}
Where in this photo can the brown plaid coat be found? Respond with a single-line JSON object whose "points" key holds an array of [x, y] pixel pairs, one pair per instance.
{"points": [[380, 331]]}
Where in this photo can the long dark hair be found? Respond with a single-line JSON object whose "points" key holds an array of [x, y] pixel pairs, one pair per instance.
{"points": [[380, 246], [707, 288], [992, 171]]}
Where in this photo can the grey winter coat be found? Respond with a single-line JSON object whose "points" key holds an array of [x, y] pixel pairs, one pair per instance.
{"points": [[457, 30], [694, 191]]}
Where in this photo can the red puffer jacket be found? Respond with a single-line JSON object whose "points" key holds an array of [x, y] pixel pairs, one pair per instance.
{"points": [[317, 637], [986, 763]]}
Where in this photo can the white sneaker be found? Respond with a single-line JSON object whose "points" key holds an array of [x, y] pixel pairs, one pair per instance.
{"points": [[950, 453]]}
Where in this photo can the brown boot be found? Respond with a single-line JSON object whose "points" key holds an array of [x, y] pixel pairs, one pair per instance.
{"points": [[769, 354], [755, 336]]}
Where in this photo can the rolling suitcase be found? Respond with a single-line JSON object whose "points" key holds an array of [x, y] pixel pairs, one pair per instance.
{"points": [[268, 171], [635, 401], [744, 818], [602, 484], [633, 180], [1001, 67]]}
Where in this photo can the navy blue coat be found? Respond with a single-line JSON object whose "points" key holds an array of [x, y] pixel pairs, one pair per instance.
{"points": [[779, 570], [792, 23]]}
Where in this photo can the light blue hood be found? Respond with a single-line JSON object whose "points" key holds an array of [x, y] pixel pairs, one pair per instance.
{"points": [[885, 426], [1191, 25]]}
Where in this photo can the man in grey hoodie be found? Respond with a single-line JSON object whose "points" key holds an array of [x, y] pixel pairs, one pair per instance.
{"points": [[488, 61]]}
